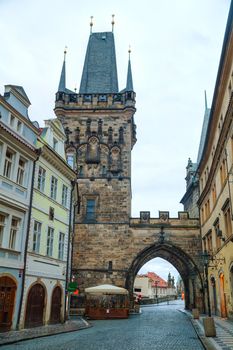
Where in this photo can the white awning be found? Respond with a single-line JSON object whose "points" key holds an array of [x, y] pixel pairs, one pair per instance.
{"points": [[106, 289]]}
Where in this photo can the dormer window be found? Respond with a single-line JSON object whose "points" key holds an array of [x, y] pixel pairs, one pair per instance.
{"points": [[55, 144], [12, 121], [19, 126]]}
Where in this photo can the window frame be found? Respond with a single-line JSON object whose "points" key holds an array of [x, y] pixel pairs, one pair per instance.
{"points": [[53, 187], [50, 240], [36, 237], [41, 179], [61, 246], [64, 199]]}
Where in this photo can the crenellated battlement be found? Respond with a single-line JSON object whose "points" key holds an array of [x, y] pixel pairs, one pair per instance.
{"points": [[164, 220], [95, 101]]}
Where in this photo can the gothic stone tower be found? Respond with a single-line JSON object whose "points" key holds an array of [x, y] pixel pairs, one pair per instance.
{"points": [[99, 123]]}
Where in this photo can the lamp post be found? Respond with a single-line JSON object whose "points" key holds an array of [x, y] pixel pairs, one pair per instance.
{"points": [[206, 258], [208, 322], [156, 291]]}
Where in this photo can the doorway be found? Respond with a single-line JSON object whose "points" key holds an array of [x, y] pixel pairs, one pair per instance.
{"points": [[35, 306], [7, 301], [222, 296], [55, 316]]}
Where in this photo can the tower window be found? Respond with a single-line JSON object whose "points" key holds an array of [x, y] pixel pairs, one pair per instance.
{"points": [[90, 210]]}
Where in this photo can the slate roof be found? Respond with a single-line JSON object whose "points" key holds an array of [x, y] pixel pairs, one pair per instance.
{"points": [[100, 69], [203, 134], [62, 83], [129, 82]]}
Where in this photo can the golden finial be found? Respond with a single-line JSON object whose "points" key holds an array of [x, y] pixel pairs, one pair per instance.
{"points": [[129, 51], [91, 24], [113, 22], [65, 52]]}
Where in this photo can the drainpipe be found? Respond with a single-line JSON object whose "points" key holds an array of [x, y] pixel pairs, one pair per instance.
{"points": [[68, 277], [38, 152]]}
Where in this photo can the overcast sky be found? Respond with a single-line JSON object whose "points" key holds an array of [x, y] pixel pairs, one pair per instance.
{"points": [[176, 46]]}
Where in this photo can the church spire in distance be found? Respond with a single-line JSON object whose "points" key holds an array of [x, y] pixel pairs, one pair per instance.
{"points": [[129, 82], [62, 83]]}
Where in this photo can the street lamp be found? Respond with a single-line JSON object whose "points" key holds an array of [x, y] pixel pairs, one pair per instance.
{"points": [[208, 322], [156, 291], [206, 259]]}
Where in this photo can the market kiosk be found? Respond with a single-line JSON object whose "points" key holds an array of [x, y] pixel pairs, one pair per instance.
{"points": [[106, 301]]}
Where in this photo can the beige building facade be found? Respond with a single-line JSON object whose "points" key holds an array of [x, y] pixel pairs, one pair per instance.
{"points": [[216, 178]]}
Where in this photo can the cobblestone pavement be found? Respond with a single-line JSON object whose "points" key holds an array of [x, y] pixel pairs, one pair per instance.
{"points": [[158, 327], [224, 333]]}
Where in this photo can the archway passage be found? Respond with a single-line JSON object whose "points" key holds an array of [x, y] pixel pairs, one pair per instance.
{"points": [[55, 316], [7, 300], [184, 264], [35, 306]]}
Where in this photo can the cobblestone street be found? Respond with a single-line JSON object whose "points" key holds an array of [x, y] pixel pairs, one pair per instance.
{"points": [[158, 327]]}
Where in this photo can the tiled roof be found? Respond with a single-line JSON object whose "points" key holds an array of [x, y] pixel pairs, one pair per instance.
{"points": [[100, 70], [156, 279]]}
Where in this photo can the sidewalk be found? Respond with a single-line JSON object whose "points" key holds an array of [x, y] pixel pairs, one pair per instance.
{"points": [[224, 333], [31, 333]]}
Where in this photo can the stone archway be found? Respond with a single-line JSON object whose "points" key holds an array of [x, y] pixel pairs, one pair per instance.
{"points": [[184, 264]]}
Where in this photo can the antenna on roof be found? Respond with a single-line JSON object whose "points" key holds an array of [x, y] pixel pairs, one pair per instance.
{"points": [[113, 22], [91, 24]]}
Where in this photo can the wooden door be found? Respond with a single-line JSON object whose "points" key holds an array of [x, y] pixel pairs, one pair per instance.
{"points": [[7, 301], [222, 297], [55, 316], [35, 306]]}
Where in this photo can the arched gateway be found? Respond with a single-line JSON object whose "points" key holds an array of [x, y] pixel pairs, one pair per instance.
{"points": [[109, 246]]}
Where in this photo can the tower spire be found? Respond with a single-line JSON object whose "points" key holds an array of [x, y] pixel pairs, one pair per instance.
{"points": [[62, 83], [91, 24], [113, 22], [129, 82], [206, 101]]}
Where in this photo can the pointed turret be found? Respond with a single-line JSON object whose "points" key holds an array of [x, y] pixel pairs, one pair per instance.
{"points": [[62, 83], [129, 82], [100, 69], [204, 130]]}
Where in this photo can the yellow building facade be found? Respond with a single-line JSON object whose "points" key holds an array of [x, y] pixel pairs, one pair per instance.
{"points": [[49, 244], [216, 184]]}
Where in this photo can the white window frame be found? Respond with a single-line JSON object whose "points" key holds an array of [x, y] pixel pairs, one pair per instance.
{"points": [[64, 195], [70, 159], [50, 238], [12, 120], [55, 144], [19, 126], [36, 236], [8, 163], [61, 246], [21, 171], [41, 179], [2, 227], [53, 187], [14, 229]]}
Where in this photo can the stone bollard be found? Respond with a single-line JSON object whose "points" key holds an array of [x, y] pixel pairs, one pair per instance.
{"points": [[195, 314], [209, 327]]}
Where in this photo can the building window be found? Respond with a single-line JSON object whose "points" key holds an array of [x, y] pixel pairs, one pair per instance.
{"points": [[19, 126], [53, 188], [214, 195], [223, 172], [90, 210], [209, 242], [55, 144], [64, 195], [2, 227], [50, 241], [13, 232], [36, 237], [61, 246], [41, 179], [70, 160], [12, 121], [218, 235], [8, 163], [227, 221], [51, 213], [21, 171]]}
